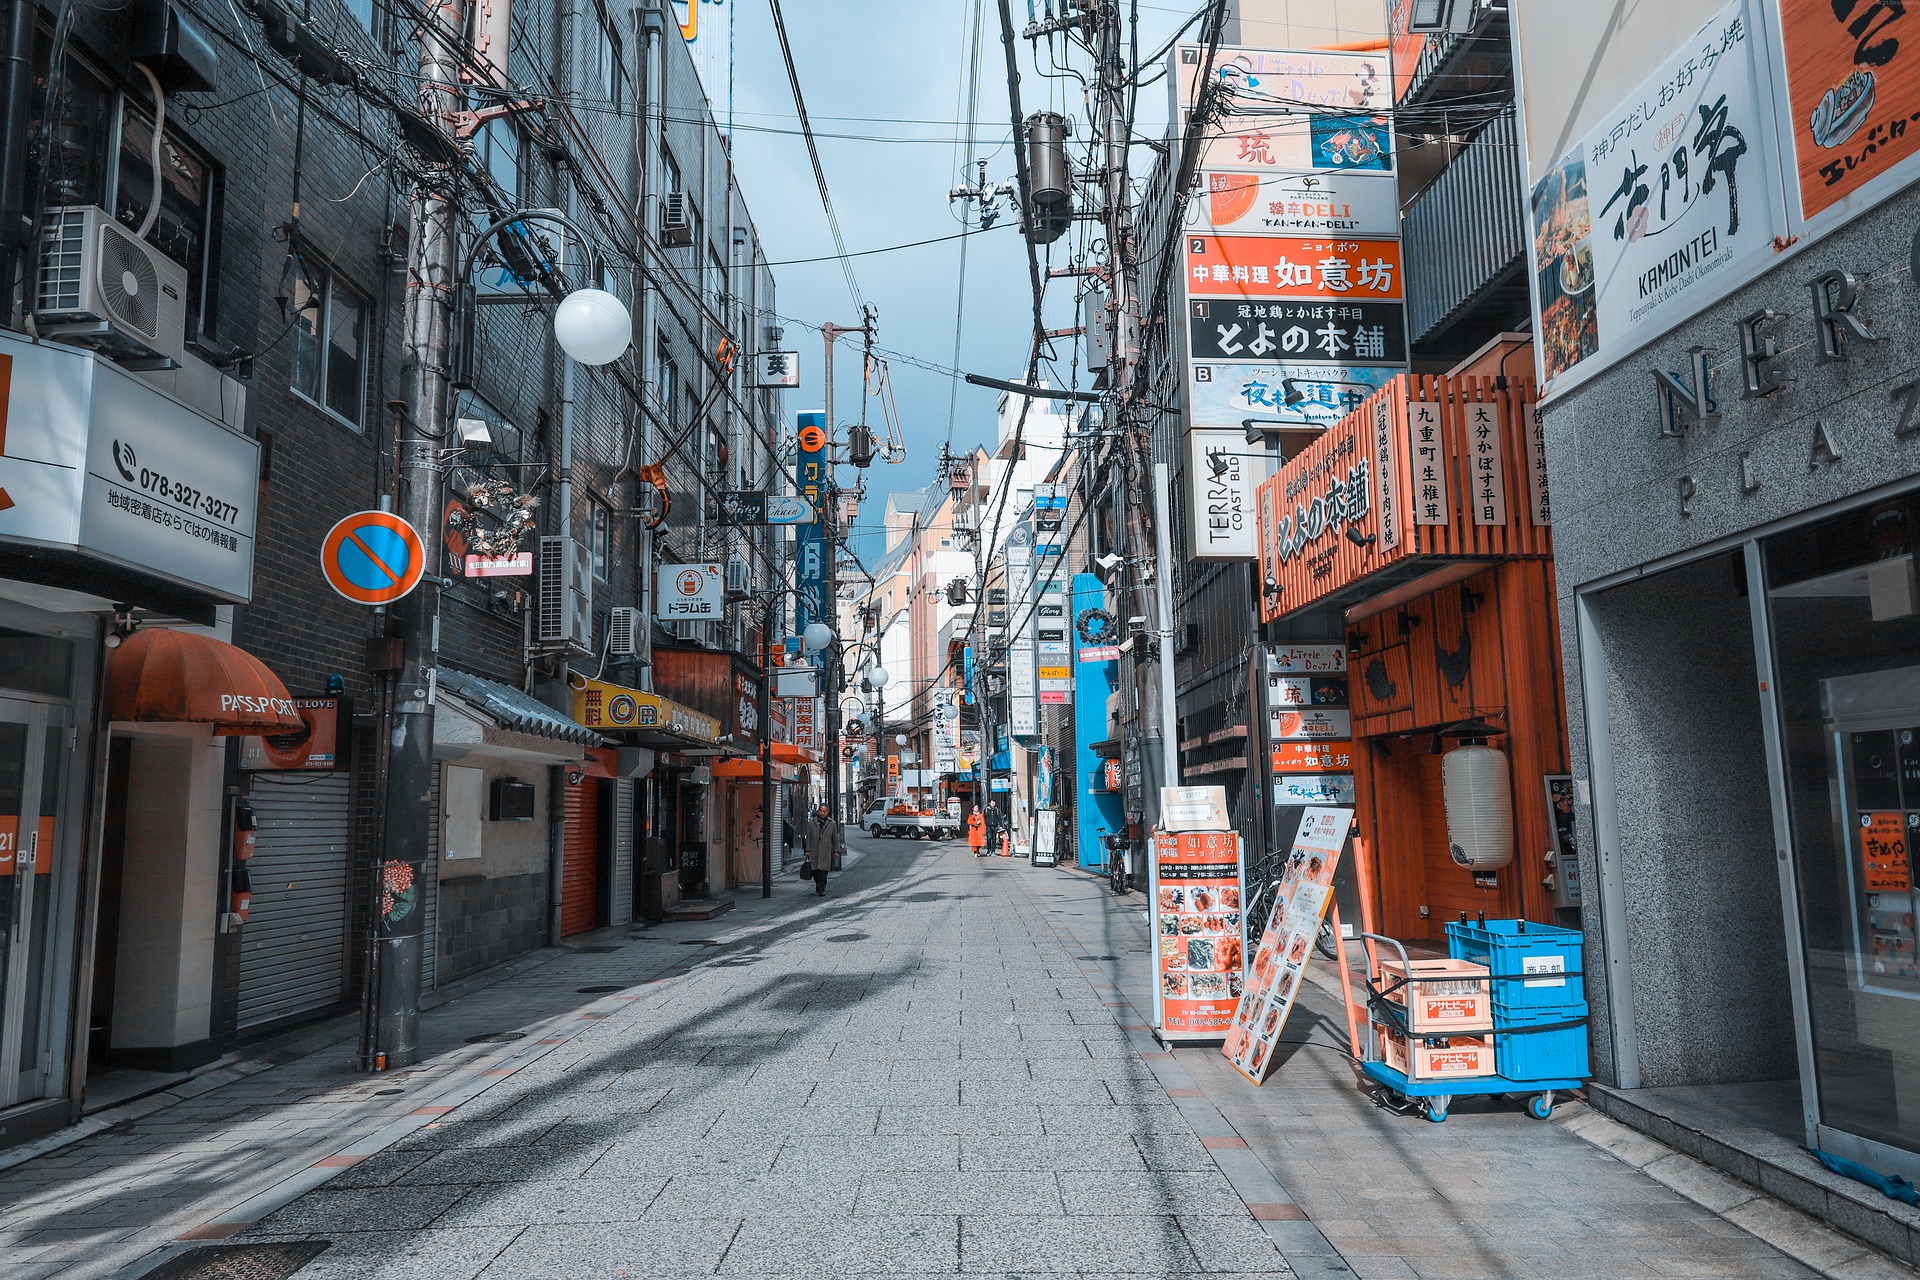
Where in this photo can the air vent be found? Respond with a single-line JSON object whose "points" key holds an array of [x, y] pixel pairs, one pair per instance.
{"points": [[128, 283], [676, 220], [566, 595], [100, 287], [623, 632]]}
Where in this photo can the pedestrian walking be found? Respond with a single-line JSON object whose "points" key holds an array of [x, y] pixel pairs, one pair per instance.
{"points": [[824, 838], [977, 833]]}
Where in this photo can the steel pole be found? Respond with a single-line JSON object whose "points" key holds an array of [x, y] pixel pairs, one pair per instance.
{"points": [[398, 894], [1163, 600], [766, 751]]}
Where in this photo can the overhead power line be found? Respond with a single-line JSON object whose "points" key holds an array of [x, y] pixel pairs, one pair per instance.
{"points": [[813, 153]]}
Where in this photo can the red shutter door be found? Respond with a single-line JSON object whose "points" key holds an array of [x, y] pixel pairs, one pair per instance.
{"points": [[580, 886]]}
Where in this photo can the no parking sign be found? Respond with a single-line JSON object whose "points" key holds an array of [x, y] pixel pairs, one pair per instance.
{"points": [[373, 557]]}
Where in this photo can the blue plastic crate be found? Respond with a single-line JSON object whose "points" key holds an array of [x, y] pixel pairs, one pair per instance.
{"points": [[1505, 950], [1507, 1017], [1560, 1054]]}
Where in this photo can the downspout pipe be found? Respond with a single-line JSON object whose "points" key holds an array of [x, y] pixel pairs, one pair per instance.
{"points": [[16, 87]]}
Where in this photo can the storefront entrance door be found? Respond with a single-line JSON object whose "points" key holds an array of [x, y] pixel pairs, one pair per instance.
{"points": [[35, 744]]}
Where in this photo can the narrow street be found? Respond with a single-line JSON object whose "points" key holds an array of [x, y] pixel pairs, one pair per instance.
{"points": [[941, 1068]]}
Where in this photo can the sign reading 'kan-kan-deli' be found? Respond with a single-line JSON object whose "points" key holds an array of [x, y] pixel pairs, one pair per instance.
{"points": [[1423, 470]]}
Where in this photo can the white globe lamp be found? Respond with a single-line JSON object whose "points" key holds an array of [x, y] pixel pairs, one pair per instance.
{"points": [[593, 326], [877, 678], [817, 636]]}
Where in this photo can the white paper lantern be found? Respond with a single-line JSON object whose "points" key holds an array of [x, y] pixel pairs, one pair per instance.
{"points": [[1479, 800], [593, 326]]}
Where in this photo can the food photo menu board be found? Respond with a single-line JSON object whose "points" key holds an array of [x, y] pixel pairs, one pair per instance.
{"points": [[1199, 935], [1300, 903]]}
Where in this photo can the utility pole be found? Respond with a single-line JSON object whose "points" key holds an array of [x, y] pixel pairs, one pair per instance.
{"points": [[831, 666], [399, 895]]}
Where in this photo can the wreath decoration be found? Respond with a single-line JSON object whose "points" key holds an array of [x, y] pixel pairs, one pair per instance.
{"points": [[1094, 626]]}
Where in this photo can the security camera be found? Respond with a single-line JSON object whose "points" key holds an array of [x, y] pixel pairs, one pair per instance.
{"points": [[1137, 624]]}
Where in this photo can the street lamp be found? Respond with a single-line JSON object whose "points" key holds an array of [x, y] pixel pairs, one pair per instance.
{"points": [[593, 326], [877, 677], [817, 636]]}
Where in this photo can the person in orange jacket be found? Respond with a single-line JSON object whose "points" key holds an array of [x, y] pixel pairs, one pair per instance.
{"points": [[977, 833]]}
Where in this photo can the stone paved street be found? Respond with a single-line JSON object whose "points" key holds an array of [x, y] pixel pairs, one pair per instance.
{"points": [[941, 1068]]}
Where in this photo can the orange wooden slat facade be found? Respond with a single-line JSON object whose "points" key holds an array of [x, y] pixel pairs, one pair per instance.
{"points": [[580, 879]]}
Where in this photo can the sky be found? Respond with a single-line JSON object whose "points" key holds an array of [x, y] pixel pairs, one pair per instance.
{"points": [[893, 75]]}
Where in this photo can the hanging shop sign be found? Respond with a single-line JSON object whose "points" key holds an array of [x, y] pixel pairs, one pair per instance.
{"points": [[1225, 475], [1314, 659], [600, 705], [316, 745], [1286, 947], [1359, 332], [752, 507], [1329, 755], [1313, 788], [815, 476], [945, 711], [1419, 472], [1323, 268], [1348, 203], [1199, 934], [1284, 109], [1286, 724], [1668, 199], [689, 592], [1226, 394], [779, 369]]}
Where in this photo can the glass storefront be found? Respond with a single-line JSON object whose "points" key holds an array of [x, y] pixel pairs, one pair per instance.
{"points": [[1844, 612]]}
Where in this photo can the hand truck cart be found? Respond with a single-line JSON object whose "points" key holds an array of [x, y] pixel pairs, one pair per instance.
{"points": [[1540, 1068]]}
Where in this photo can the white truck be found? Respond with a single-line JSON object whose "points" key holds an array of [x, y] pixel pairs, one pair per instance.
{"points": [[902, 819]]}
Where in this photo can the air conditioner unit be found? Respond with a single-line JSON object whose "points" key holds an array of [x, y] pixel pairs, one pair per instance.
{"points": [[676, 221], [566, 594], [99, 287], [623, 632], [1442, 17], [739, 578]]}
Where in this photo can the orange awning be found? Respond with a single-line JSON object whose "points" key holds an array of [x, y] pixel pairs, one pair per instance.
{"points": [[787, 753], [157, 674]]}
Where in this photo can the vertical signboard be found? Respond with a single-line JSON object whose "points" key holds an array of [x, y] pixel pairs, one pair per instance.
{"points": [[1853, 92], [1300, 903], [1291, 273], [946, 731], [1199, 937], [1023, 711], [809, 539]]}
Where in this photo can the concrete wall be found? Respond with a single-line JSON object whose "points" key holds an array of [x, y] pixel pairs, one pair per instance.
{"points": [[495, 907], [1703, 923]]}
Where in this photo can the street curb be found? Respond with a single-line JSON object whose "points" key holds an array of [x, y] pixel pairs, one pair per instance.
{"points": [[1800, 1236]]}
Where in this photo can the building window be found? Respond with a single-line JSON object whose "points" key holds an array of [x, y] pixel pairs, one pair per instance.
{"points": [[601, 539], [669, 378], [329, 343], [498, 149], [362, 11], [607, 61]]}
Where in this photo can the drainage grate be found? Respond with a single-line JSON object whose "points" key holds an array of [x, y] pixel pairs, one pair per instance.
{"points": [[596, 951], [497, 1037], [596, 991], [240, 1261], [1096, 957]]}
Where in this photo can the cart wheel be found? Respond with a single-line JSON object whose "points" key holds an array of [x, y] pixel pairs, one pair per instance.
{"points": [[1437, 1108], [1540, 1105]]}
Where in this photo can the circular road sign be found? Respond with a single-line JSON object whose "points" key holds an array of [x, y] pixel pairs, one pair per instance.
{"points": [[373, 557], [812, 438]]}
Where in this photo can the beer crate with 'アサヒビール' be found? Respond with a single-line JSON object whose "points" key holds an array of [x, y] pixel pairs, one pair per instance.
{"points": [[1443, 1057], [1440, 996]]}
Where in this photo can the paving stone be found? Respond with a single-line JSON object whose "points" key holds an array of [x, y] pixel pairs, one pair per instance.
{"points": [[842, 1246]]}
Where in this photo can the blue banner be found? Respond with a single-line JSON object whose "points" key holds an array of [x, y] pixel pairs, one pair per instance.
{"points": [[810, 539]]}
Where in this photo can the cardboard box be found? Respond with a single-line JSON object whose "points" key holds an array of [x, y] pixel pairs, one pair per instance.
{"points": [[1442, 996], [1194, 809], [1456, 1057]]}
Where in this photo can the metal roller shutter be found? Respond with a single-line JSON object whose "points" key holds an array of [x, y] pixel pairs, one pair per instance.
{"points": [[293, 949], [430, 879], [620, 891], [580, 885]]}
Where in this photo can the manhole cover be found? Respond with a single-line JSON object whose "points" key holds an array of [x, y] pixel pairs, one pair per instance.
{"points": [[239, 1261], [847, 937], [497, 1037], [597, 991], [386, 1093], [1096, 957], [596, 951]]}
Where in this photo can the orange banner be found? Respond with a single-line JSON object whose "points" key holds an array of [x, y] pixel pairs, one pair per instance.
{"points": [[1853, 85], [1312, 757], [1883, 853], [10, 845]]}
